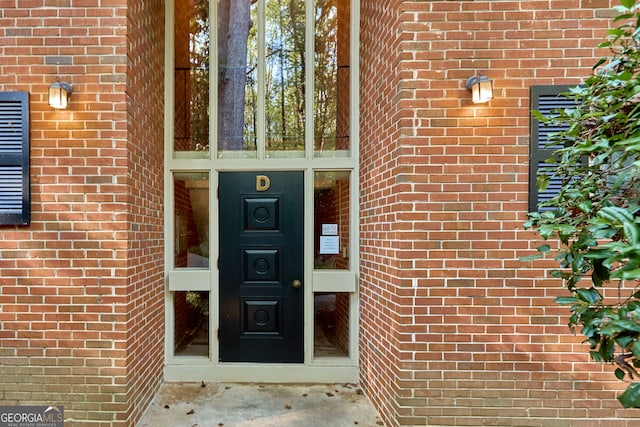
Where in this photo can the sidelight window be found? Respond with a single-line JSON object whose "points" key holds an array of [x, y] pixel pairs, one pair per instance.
{"points": [[332, 219], [191, 219], [191, 323], [331, 326]]}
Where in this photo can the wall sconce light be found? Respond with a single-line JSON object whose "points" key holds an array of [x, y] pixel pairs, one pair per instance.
{"points": [[481, 89], [59, 94]]}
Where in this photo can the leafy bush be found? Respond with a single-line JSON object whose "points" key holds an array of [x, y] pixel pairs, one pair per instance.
{"points": [[596, 215]]}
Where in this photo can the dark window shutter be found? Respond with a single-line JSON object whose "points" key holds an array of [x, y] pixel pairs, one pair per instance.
{"points": [[15, 197], [545, 99]]}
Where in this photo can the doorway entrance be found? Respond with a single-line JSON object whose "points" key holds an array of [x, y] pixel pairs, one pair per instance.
{"points": [[261, 267], [261, 190]]}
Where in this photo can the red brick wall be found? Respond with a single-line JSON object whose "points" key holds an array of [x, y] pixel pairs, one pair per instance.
{"points": [[81, 287], [145, 117], [380, 266], [455, 330]]}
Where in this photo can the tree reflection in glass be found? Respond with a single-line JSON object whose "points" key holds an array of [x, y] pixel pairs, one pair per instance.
{"points": [[284, 75], [261, 80], [236, 63], [191, 100]]}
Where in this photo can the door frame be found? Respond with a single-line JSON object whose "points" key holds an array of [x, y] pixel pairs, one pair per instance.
{"points": [[314, 370], [319, 370]]}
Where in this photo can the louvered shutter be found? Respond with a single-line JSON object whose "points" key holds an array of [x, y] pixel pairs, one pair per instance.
{"points": [[15, 197], [545, 99]]}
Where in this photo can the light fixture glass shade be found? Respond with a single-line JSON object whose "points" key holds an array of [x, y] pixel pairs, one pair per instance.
{"points": [[59, 94], [481, 89]]}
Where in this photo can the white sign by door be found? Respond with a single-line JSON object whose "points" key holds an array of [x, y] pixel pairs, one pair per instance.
{"points": [[329, 245], [329, 229]]}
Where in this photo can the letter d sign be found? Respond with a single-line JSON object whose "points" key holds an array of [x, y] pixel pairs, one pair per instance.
{"points": [[262, 183]]}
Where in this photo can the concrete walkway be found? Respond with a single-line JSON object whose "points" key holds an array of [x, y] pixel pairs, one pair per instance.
{"points": [[264, 405]]}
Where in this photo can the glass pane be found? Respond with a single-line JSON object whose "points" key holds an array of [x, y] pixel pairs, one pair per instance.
{"points": [[191, 213], [284, 75], [191, 323], [191, 98], [331, 220], [237, 78], [331, 330], [331, 93]]}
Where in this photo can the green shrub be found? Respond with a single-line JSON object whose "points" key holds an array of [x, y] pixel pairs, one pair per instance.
{"points": [[596, 215]]}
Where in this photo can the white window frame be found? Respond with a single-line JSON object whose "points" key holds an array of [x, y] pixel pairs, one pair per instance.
{"points": [[321, 369]]}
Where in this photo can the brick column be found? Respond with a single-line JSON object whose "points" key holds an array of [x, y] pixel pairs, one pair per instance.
{"points": [[455, 329], [81, 318]]}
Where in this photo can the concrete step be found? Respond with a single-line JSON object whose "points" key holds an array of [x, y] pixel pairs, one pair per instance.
{"points": [[264, 405]]}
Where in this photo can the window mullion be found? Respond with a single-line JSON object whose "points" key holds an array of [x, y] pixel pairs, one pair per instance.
{"points": [[213, 82], [260, 127], [309, 78]]}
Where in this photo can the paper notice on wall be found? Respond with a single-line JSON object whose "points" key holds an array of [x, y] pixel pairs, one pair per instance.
{"points": [[329, 245], [329, 229]]}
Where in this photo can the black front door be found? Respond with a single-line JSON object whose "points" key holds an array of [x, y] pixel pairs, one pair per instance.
{"points": [[261, 267]]}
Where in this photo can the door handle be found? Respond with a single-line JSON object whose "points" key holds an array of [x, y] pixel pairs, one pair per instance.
{"points": [[297, 284]]}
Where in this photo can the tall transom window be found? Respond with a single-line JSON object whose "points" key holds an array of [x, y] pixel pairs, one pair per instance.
{"points": [[276, 84]]}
